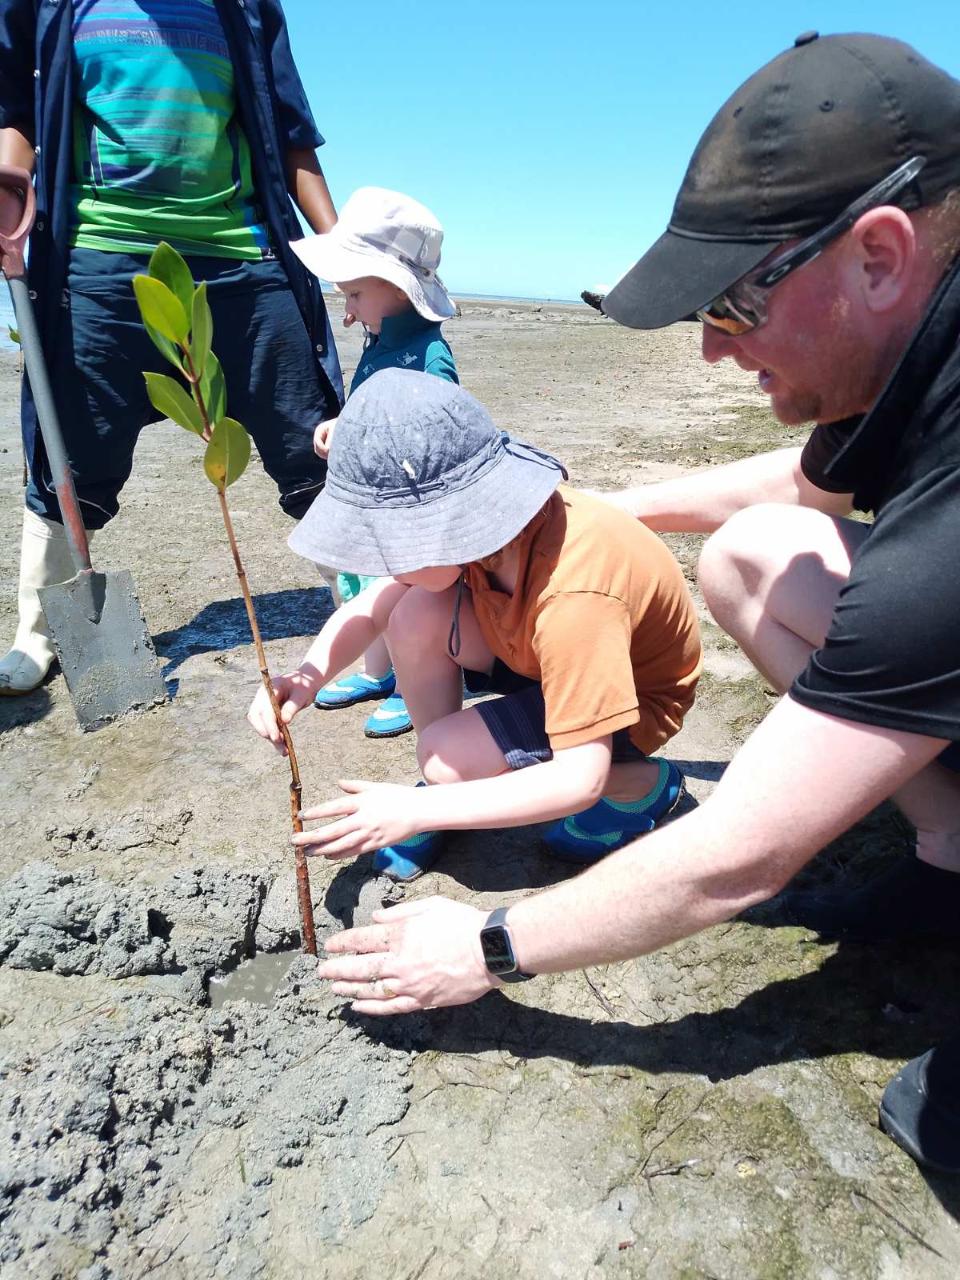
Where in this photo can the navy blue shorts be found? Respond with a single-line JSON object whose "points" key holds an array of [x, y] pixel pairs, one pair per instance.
{"points": [[517, 720], [949, 757], [101, 352]]}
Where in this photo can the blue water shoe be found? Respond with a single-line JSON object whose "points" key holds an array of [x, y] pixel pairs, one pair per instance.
{"points": [[593, 833]]}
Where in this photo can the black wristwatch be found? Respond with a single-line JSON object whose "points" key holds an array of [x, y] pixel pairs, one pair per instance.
{"points": [[498, 949]]}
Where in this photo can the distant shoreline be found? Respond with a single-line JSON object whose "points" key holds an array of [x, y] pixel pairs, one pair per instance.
{"points": [[499, 297], [6, 310]]}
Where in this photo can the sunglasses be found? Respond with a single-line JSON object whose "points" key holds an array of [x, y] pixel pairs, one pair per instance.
{"points": [[743, 307]]}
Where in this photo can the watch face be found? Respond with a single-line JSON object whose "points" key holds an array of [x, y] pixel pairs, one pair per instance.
{"points": [[497, 951]]}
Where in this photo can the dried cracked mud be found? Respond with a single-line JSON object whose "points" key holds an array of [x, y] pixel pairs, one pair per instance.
{"points": [[709, 1111]]}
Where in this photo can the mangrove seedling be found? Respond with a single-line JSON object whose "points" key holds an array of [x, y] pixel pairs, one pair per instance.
{"points": [[176, 315]]}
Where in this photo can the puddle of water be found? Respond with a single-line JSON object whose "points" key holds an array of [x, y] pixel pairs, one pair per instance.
{"points": [[256, 980]]}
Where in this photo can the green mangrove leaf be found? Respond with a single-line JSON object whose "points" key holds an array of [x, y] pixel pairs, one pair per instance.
{"points": [[201, 329], [227, 453], [213, 388], [169, 398], [161, 308], [167, 266], [14, 334], [164, 346]]}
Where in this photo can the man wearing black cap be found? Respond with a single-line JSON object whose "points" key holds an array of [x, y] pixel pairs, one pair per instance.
{"points": [[816, 236]]}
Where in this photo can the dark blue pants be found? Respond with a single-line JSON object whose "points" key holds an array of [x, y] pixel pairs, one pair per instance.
{"points": [[101, 352]]}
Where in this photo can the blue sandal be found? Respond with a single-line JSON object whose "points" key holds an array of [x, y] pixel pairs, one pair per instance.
{"points": [[354, 688], [591, 834], [390, 719]]}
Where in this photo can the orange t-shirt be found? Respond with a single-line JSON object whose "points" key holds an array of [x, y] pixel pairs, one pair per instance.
{"points": [[601, 616]]}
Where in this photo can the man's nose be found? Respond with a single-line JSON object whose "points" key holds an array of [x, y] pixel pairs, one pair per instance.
{"points": [[715, 345]]}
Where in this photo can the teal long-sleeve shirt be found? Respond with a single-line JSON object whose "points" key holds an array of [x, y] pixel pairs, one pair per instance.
{"points": [[407, 341]]}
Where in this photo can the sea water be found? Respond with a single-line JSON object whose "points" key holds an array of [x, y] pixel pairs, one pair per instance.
{"points": [[7, 320], [257, 979]]}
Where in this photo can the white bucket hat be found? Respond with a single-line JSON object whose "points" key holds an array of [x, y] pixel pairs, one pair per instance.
{"points": [[388, 235]]}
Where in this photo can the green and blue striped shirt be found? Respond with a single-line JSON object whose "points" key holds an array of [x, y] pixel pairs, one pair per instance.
{"points": [[158, 151]]}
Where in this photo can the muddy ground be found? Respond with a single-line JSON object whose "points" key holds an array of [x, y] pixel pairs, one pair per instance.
{"points": [[709, 1111]]}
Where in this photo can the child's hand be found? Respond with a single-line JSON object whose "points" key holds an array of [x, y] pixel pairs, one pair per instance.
{"points": [[369, 816], [348, 319], [323, 438], [294, 692]]}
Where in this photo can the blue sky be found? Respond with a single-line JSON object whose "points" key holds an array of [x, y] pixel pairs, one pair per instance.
{"points": [[549, 136]]}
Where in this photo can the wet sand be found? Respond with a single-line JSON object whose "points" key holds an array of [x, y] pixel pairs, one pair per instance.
{"points": [[707, 1111]]}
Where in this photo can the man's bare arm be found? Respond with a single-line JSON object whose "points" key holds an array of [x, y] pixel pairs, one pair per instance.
{"points": [[704, 500], [308, 187], [800, 780]]}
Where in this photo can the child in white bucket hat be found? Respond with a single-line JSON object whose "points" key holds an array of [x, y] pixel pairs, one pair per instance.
{"points": [[383, 256]]}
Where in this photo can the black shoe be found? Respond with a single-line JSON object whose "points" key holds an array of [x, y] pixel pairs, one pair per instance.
{"points": [[911, 900], [920, 1108]]}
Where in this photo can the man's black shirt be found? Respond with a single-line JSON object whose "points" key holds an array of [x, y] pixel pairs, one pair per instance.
{"points": [[892, 655]]}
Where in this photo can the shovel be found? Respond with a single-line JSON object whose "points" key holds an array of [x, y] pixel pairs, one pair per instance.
{"points": [[95, 619]]}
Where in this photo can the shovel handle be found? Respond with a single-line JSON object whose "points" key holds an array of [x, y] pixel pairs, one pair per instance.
{"points": [[13, 245]]}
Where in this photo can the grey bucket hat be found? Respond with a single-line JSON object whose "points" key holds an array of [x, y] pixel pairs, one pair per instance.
{"points": [[419, 476]]}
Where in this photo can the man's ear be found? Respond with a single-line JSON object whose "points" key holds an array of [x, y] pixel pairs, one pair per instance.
{"points": [[884, 243]]}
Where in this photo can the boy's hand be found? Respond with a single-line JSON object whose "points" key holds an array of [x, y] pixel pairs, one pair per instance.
{"points": [[323, 438], [294, 692], [369, 816], [419, 955]]}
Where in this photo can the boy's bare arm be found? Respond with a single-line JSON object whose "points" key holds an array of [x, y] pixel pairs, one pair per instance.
{"points": [[704, 500], [574, 779], [372, 815], [347, 634]]}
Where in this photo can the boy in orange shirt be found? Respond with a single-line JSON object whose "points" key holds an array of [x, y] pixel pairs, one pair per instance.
{"points": [[575, 613]]}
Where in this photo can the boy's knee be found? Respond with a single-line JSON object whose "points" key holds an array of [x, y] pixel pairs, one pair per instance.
{"points": [[436, 768], [418, 618]]}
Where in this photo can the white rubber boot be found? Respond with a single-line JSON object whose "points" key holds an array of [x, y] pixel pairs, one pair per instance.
{"points": [[44, 560]]}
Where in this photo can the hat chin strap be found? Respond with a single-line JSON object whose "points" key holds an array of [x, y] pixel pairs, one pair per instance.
{"points": [[453, 639]]}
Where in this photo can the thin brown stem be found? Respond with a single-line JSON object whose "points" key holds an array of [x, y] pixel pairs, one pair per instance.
{"points": [[197, 396], [304, 897], [191, 375]]}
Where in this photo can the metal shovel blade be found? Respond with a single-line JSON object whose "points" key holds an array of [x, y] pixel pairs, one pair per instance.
{"points": [[105, 650]]}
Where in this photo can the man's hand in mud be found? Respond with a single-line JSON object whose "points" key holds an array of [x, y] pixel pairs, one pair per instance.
{"points": [[294, 692], [323, 438], [419, 955], [368, 816]]}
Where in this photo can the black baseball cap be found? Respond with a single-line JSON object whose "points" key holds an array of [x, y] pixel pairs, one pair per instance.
{"points": [[804, 137]]}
